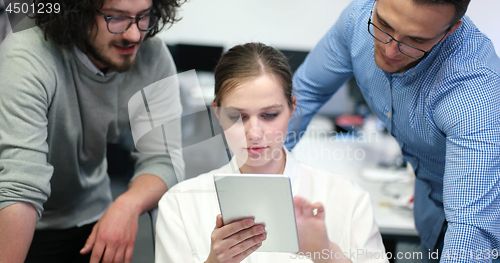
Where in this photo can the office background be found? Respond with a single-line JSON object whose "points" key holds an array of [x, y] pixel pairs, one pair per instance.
{"points": [[285, 24], [293, 25]]}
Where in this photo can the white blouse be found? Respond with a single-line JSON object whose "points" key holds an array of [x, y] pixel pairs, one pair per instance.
{"points": [[187, 214]]}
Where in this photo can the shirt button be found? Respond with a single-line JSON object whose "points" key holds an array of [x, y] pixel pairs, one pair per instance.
{"points": [[401, 75], [413, 74], [388, 115]]}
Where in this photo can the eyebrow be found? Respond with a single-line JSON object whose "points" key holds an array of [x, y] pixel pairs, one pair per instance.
{"points": [[125, 12], [412, 37], [265, 108]]}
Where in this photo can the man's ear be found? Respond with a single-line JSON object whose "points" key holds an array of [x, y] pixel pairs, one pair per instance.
{"points": [[452, 29]]}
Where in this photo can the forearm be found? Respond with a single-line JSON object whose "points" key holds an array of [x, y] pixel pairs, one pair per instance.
{"points": [[315, 82], [144, 193], [466, 243], [17, 225]]}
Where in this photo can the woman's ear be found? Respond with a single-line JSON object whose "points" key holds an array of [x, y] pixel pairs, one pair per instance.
{"points": [[294, 105], [216, 110]]}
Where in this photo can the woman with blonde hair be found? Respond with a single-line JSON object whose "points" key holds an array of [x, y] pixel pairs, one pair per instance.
{"points": [[254, 103]]}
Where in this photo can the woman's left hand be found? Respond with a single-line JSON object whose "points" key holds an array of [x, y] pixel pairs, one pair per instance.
{"points": [[312, 232], [311, 227]]}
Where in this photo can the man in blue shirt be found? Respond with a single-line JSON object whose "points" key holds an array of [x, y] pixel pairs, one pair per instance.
{"points": [[433, 78]]}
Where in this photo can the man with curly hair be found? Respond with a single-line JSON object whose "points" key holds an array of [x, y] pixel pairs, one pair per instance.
{"points": [[65, 87]]}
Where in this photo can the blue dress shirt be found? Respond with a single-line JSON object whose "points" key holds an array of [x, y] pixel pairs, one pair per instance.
{"points": [[444, 113]]}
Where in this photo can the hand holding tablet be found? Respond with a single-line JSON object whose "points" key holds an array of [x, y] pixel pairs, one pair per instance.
{"points": [[267, 198], [235, 241]]}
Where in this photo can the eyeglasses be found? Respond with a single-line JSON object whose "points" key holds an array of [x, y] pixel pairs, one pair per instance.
{"points": [[406, 49], [120, 24]]}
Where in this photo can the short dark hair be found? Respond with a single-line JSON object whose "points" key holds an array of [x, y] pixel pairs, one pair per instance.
{"points": [[460, 7], [73, 24], [251, 60]]}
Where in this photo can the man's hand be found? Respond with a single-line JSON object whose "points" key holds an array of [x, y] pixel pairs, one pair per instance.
{"points": [[113, 236]]}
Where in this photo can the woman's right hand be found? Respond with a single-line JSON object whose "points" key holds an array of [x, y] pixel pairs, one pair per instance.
{"points": [[234, 242]]}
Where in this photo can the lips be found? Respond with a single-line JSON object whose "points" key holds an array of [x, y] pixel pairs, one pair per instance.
{"points": [[256, 149], [125, 49], [388, 60]]}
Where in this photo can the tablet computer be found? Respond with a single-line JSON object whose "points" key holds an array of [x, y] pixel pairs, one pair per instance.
{"points": [[265, 197]]}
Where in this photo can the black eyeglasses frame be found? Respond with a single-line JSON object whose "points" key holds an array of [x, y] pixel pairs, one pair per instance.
{"points": [[132, 20], [403, 43]]}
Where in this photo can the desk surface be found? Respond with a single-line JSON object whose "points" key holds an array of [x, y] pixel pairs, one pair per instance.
{"points": [[348, 155]]}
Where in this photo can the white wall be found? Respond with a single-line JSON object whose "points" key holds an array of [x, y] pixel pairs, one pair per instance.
{"points": [[486, 16], [290, 24], [286, 24]]}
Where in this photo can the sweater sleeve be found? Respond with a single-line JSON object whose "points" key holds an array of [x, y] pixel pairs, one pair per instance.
{"points": [[155, 118], [326, 68], [26, 88]]}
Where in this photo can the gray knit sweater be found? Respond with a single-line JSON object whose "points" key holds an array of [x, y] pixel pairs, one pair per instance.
{"points": [[56, 117]]}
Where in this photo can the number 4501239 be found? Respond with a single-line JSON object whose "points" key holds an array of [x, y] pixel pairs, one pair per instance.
{"points": [[39, 8]]}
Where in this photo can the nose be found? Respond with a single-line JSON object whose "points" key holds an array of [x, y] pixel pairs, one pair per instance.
{"points": [[132, 34], [254, 131], [392, 49]]}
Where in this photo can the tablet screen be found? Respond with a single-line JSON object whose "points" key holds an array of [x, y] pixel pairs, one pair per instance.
{"points": [[265, 197]]}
